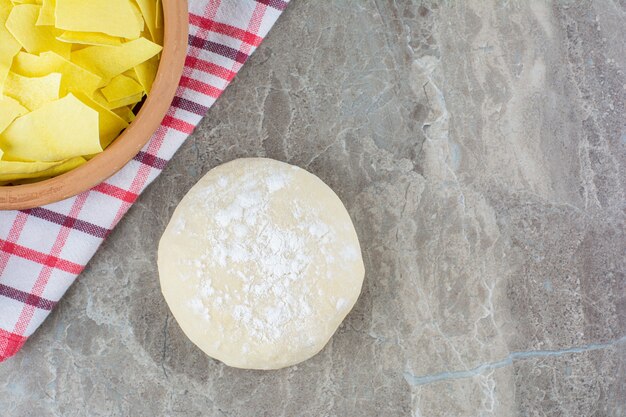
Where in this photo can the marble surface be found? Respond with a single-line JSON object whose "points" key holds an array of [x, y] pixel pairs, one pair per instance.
{"points": [[480, 147]]}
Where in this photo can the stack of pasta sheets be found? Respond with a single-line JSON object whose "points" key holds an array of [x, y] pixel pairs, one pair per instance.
{"points": [[71, 73]]}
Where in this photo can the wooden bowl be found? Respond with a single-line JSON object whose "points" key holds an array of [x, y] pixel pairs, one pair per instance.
{"points": [[130, 142]]}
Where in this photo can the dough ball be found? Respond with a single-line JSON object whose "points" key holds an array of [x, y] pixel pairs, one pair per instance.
{"points": [[260, 264]]}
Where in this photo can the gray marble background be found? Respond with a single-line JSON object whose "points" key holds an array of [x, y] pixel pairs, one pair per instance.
{"points": [[480, 147]]}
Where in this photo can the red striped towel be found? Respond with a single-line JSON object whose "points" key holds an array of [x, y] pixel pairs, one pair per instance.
{"points": [[43, 250]]}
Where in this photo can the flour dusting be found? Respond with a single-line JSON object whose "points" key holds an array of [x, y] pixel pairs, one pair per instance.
{"points": [[266, 258]]}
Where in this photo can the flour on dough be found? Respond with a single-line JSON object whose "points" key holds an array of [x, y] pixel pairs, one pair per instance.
{"points": [[260, 264]]}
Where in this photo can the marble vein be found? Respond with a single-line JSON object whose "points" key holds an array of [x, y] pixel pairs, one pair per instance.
{"points": [[509, 360]]}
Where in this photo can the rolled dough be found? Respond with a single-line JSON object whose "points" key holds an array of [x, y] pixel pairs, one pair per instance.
{"points": [[260, 264]]}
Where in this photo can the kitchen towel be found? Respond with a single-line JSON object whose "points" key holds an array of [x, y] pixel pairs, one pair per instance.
{"points": [[43, 250]]}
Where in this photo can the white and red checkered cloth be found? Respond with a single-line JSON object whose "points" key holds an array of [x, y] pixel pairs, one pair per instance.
{"points": [[43, 250]]}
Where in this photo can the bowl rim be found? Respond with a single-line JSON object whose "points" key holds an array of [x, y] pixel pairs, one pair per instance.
{"points": [[130, 142]]}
